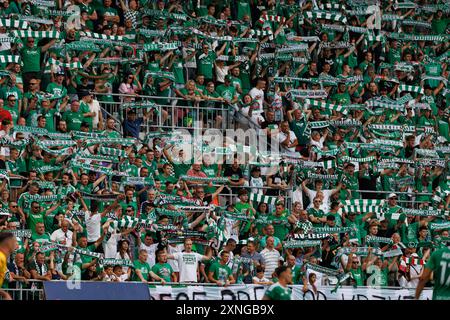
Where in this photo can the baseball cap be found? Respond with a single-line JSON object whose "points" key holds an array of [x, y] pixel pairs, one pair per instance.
{"points": [[392, 195]]}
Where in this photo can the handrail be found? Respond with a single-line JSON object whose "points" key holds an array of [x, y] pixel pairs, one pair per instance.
{"points": [[145, 96], [204, 284]]}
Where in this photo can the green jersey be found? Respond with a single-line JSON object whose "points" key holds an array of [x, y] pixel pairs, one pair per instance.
{"points": [[278, 292], [143, 267], [163, 270], [220, 272], [73, 120], [31, 58], [439, 263]]}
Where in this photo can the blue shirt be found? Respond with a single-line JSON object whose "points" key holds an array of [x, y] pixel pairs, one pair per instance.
{"points": [[132, 128]]}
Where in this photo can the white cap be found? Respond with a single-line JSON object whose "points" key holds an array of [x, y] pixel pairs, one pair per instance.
{"points": [[392, 195]]}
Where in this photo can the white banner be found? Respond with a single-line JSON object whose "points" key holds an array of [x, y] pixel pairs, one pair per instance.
{"points": [[256, 292]]}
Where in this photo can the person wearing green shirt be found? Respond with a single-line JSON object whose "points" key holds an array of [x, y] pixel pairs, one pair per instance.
{"points": [[393, 214], [315, 214], [280, 290], [142, 269], [39, 234], [35, 215], [206, 59], [280, 221], [227, 90], [162, 269], [439, 265], [353, 266], [245, 208], [219, 272], [88, 115], [73, 117], [56, 88], [31, 58], [298, 122], [49, 113], [439, 22]]}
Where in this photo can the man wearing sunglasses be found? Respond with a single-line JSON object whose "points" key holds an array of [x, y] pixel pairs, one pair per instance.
{"points": [[31, 57]]}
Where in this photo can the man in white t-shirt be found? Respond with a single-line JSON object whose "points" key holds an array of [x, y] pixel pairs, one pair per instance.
{"points": [[271, 257], [63, 235], [257, 93], [188, 262], [318, 184], [287, 139], [150, 248]]}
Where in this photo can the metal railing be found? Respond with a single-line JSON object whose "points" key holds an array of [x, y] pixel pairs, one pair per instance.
{"points": [[32, 291], [174, 112]]}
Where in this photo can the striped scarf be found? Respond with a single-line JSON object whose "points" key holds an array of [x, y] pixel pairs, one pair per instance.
{"points": [[37, 34], [360, 251], [415, 89], [315, 94], [413, 261], [326, 15], [9, 59], [363, 206], [17, 24], [69, 65], [271, 18], [113, 152], [258, 198], [325, 105]]}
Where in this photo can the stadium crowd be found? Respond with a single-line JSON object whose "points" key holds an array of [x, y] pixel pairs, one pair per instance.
{"points": [[355, 95]]}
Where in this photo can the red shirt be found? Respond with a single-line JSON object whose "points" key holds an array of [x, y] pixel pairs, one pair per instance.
{"points": [[4, 114]]}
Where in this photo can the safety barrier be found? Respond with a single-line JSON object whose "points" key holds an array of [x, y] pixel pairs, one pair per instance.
{"points": [[205, 291], [31, 291], [173, 112]]}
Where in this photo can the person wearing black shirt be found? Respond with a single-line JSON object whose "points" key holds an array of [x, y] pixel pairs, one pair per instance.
{"points": [[367, 181], [235, 175]]}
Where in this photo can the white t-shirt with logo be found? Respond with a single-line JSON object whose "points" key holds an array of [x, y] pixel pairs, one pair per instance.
{"points": [[93, 226], [151, 250], [188, 264]]}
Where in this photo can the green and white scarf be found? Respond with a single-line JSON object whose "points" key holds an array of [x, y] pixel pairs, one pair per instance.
{"points": [[258, 198], [9, 59], [363, 206], [330, 230], [21, 233], [326, 15], [37, 34], [325, 105], [301, 244], [415, 89], [374, 239], [17, 24]]}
